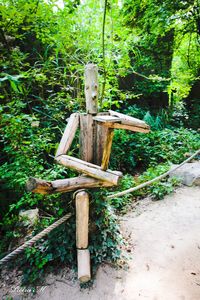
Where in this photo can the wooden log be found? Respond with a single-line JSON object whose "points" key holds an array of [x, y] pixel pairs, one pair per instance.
{"points": [[83, 261], [39, 186], [107, 149], [127, 120], [68, 135], [80, 182], [91, 88], [88, 169], [82, 219], [91, 165], [86, 137], [103, 113], [106, 118], [101, 134], [122, 126]]}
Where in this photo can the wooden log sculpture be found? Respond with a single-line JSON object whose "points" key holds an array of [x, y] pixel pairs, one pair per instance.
{"points": [[96, 135]]}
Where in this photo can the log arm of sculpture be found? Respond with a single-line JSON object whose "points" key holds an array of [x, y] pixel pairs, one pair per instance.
{"points": [[120, 121], [44, 187], [69, 134], [126, 127], [114, 120], [127, 120]]}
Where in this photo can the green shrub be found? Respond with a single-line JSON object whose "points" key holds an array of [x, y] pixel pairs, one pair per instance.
{"points": [[135, 151], [158, 189]]}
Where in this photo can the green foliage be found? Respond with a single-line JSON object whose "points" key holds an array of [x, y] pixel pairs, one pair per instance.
{"points": [[105, 238], [58, 249], [158, 189], [133, 151], [167, 37], [121, 203]]}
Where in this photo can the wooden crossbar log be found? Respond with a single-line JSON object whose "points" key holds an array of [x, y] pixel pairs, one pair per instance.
{"points": [[106, 118], [127, 120], [40, 186], [89, 169], [120, 121], [127, 127]]}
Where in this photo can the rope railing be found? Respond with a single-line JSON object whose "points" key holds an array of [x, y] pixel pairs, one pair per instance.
{"points": [[34, 239], [142, 185]]}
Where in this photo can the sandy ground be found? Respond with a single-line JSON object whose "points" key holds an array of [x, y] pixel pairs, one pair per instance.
{"points": [[165, 261]]}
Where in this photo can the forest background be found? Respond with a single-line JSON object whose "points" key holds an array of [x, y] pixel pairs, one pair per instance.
{"points": [[148, 57]]}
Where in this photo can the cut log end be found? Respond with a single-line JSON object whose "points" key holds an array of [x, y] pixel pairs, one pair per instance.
{"points": [[84, 279], [44, 187], [84, 273], [36, 185]]}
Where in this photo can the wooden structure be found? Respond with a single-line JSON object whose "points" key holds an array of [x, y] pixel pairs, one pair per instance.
{"points": [[96, 135]]}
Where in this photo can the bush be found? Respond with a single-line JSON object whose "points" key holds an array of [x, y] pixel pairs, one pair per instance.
{"points": [[157, 190], [136, 151]]}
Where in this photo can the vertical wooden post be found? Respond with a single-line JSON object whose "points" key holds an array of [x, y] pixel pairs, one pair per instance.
{"points": [[87, 125], [101, 134], [82, 219], [87, 146], [86, 137], [107, 149], [83, 259], [91, 88]]}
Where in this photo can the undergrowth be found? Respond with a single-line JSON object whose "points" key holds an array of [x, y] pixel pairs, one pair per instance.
{"points": [[153, 153], [156, 190]]}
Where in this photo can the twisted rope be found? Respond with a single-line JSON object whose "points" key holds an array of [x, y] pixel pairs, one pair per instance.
{"points": [[140, 186], [34, 239]]}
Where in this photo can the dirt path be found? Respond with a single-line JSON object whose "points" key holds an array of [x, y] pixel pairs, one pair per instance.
{"points": [[165, 262]]}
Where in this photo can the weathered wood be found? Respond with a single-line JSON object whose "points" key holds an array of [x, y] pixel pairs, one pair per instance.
{"points": [[106, 118], [127, 120], [103, 113], [91, 88], [88, 164], [107, 149], [68, 135], [88, 169], [82, 219], [122, 126], [83, 261], [86, 137], [39, 186], [101, 134]]}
